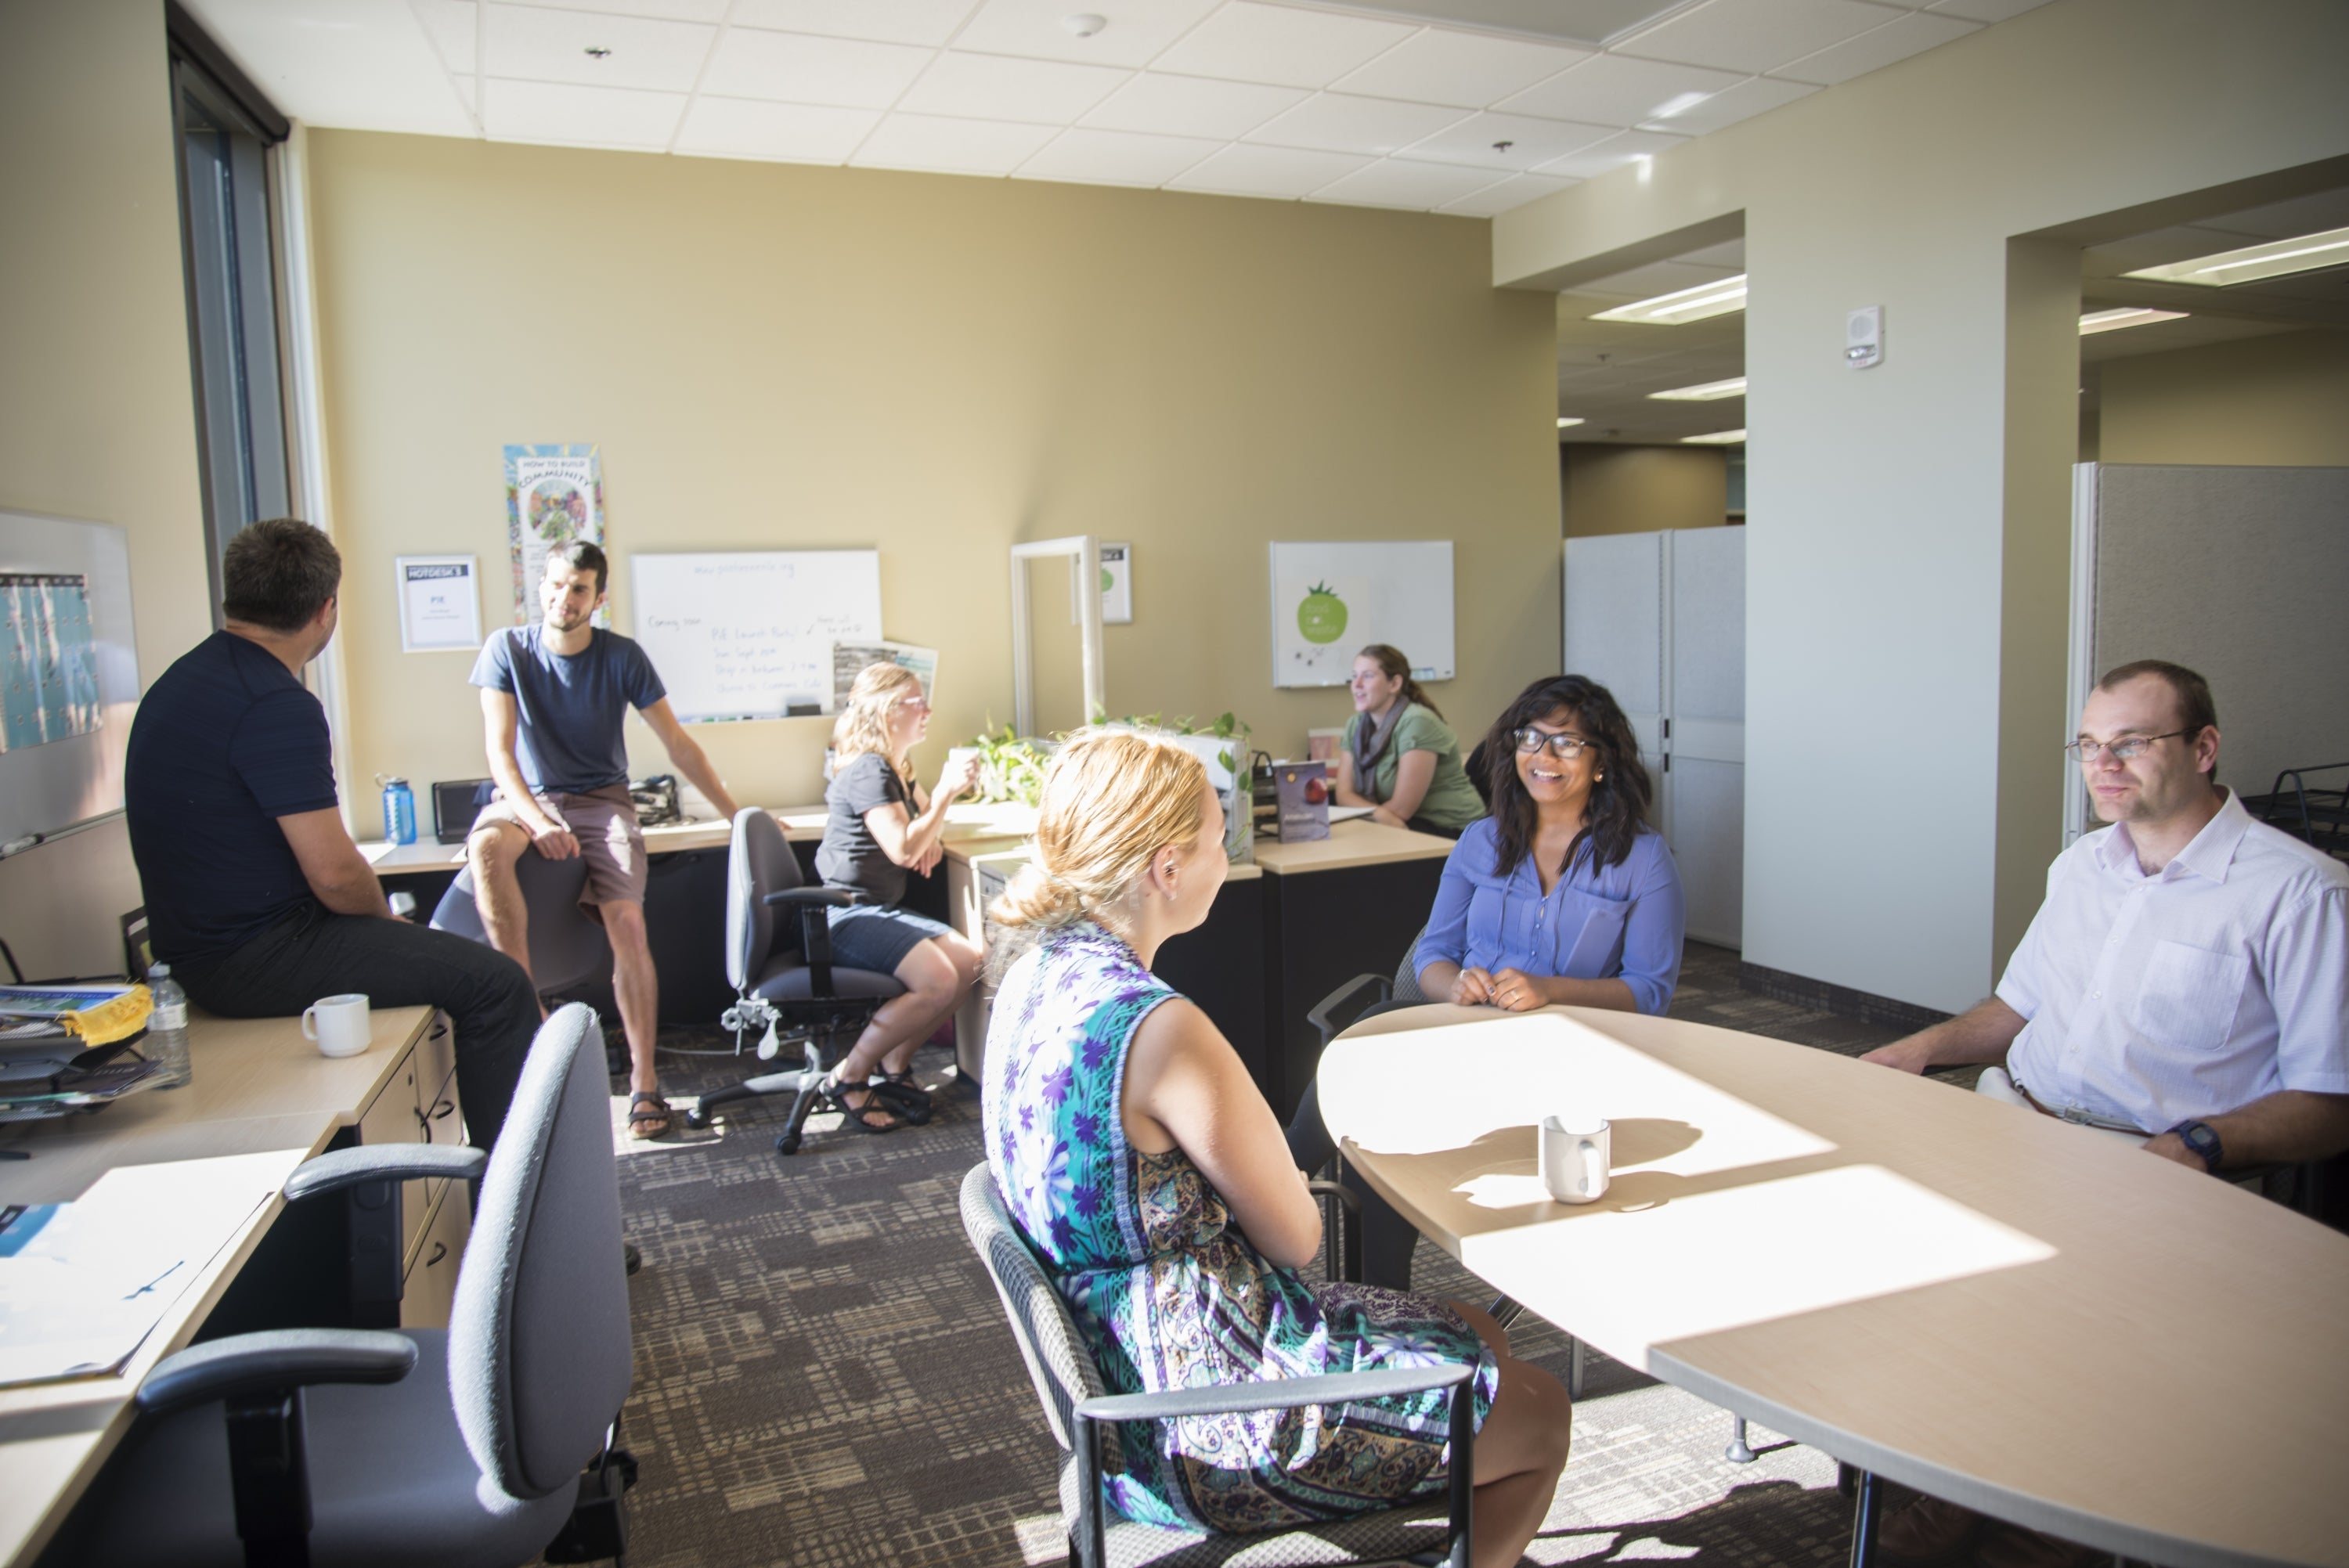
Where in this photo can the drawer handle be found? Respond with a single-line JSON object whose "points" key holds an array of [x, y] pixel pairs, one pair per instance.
{"points": [[441, 1111], [440, 1250], [440, 1030]]}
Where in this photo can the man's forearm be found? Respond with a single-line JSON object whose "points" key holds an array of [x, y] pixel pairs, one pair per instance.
{"points": [[689, 760], [1980, 1034], [517, 792], [2284, 1129], [354, 890]]}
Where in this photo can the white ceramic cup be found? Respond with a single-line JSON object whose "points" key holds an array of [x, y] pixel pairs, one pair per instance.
{"points": [[1577, 1152], [338, 1024]]}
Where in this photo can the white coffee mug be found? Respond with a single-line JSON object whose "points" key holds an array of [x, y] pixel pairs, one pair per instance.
{"points": [[1577, 1152], [338, 1024]]}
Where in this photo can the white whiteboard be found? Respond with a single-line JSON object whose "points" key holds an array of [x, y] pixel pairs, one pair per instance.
{"points": [[750, 635], [49, 785], [1394, 593]]}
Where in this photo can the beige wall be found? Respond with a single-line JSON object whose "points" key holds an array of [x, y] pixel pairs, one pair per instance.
{"points": [[97, 411], [777, 356], [1637, 490], [2280, 400], [1908, 546]]}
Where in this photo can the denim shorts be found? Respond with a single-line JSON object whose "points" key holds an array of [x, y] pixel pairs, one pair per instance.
{"points": [[877, 937]]}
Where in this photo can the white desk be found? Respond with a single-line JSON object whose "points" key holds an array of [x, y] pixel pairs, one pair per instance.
{"points": [[1956, 1294]]}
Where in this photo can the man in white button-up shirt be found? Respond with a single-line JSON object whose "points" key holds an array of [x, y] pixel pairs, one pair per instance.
{"points": [[2186, 978]]}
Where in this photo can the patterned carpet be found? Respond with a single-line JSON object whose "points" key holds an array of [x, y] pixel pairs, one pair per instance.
{"points": [[824, 1377]]}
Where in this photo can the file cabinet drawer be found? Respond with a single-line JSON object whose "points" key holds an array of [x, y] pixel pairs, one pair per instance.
{"points": [[431, 1281]]}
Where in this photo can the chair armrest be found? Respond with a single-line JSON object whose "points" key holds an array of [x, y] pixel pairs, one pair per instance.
{"points": [[808, 897], [383, 1162], [1337, 1190], [1273, 1394], [1320, 1016], [281, 1359]]}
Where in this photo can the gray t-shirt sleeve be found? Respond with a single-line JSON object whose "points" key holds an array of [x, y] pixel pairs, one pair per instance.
{"points": [[493, 668]]}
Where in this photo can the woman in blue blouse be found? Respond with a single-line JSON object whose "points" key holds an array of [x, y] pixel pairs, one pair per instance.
{"points": [[1564, 893]]}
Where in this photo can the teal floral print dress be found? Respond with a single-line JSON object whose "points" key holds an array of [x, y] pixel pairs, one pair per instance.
{"points": [[1169, 1293]]}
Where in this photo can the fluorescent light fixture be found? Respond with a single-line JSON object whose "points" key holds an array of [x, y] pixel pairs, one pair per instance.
{"points": [[2276, 259], [1683, 305], [1680, 105], [1733, 388], [1718, 439], [1565, 421], [2097, 321]]}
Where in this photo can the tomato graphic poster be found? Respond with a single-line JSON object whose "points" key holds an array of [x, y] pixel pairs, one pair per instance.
{"points": [[1330, 600]]}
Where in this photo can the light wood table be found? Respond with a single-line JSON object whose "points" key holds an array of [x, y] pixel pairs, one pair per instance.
{"points": [[258, 1087], [1956, 1294]]}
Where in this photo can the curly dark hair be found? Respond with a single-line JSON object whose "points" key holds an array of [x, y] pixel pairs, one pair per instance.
{"points": [[1618, 800]]}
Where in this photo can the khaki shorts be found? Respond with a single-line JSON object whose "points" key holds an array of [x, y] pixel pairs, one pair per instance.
{"points": [[605, 823]]}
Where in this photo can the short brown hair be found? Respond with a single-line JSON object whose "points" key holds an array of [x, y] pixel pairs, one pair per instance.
{"points": [[278, 574], [2196, 711], [582, 556]]}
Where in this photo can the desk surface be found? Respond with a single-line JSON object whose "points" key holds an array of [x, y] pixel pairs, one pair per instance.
{"points": [[1950, 1292], [258, 1085], [1360, 842]]}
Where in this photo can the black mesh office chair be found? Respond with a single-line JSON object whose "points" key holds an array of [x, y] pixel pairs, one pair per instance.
{"points": [[481, 1446], [786, 989]]}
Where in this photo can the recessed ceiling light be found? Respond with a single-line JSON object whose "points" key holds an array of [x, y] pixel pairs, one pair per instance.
{"points": [[1718, 439], [1733, 388], [1567, 420], [596, 52], [1084, 24], [1682, 304], [2097, 321], [2277, 258]]}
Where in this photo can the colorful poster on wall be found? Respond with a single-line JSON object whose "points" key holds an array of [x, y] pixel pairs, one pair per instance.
{"points": [[48, 659], [554, 494]]}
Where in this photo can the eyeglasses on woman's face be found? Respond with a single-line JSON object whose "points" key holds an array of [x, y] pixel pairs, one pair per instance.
{"points": [[2128, 748], [915, 703], [1560, 743]]}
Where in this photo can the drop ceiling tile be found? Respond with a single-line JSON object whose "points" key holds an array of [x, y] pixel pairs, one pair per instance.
{"points": [[925, 22], [950, 146], [1135, 30], [1283, 48], [453, 27], [993, 87], [583, 116], [1614, 90], [1334, 122], [1755, 34], [1465, 70], [1245, 170], [657, 10], [1415, 186], [794, 133], [1895, 40], [527, 42], [1116, 157], [1755, 95], [1986, 10], [1592, 162], [1514, 192], [365, 66], [798, 68], [1191, 106], [1529, 141]]}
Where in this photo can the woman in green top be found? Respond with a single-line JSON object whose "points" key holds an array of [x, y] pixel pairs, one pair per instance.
{"points": [[1400, 758]]}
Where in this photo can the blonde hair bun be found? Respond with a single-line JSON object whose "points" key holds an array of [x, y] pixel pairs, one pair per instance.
{"points": [[1113, 799]]}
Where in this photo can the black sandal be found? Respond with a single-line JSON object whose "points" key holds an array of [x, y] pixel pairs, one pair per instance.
{"points": [[646, 1106], [901, 1094], [835, 1093]]}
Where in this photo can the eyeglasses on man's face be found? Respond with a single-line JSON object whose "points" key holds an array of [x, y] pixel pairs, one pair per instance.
{"points": [[1560, 744], [2128, 748]]}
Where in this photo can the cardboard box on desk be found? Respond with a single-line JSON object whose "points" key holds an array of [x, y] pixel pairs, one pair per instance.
{"points": [[1301, 791]]}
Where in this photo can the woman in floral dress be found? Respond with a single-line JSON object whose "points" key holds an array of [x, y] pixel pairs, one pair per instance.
{"points": [[1152, 1179]]}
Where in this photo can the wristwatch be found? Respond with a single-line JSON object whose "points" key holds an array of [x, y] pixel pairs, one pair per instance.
{"points": [[2203, 1139]]}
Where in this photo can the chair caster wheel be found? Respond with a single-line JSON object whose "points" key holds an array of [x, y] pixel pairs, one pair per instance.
{"points": [[696, 1118], [787, 1144]]}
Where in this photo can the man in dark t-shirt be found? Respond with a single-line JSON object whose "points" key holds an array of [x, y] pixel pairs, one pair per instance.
{"points": [[554, 699], [255, 894]]}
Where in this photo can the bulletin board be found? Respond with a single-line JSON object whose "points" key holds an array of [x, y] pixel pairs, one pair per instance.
{"points": [[1328, 600], [69, 672], [740, 635]]}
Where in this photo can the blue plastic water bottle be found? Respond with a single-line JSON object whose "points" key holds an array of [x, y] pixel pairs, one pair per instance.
{"points": [[398, 810]]}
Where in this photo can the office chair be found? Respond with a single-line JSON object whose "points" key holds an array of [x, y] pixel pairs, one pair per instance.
{"points": [[463, 1449], [782, 988], [567, 947], [1070, 1387]]}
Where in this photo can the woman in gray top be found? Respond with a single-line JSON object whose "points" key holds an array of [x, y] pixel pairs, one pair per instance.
{"points": [[882, 825]]}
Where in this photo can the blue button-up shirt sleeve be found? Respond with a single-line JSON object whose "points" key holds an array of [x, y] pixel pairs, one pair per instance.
{"points": [[1655, 927], [1447, 936]]}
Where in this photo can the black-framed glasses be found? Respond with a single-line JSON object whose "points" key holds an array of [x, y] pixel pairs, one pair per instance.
{"points": [[1560, 744], [2128, 748]]}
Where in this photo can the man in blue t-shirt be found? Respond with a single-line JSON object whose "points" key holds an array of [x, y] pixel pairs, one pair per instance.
{"points": [[255, 894], [555, 698]]}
